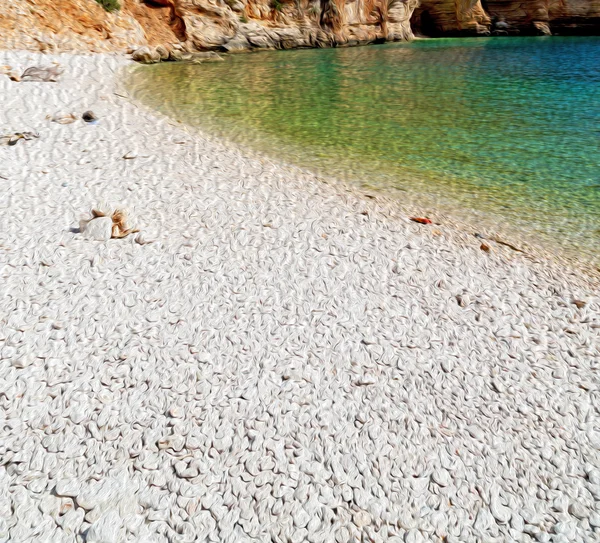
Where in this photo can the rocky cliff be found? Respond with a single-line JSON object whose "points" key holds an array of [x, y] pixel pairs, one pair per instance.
{"points": [[202, 24], [450, 17], [546, 16], [506, 17], [83, 25]]}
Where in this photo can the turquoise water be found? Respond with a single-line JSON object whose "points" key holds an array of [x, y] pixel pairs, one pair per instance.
{"points": [[506, 128]]}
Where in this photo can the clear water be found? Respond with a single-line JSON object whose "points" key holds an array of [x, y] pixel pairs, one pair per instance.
{"points": [[503, 128]]}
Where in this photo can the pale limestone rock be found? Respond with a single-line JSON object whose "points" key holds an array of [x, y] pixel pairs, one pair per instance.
{"points": [[68, 487], [98, 229], [146, 55], [162, 52]]}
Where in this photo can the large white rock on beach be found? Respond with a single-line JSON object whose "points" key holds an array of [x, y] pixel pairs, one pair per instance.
{"points": [[99, 229], [146, 55]]}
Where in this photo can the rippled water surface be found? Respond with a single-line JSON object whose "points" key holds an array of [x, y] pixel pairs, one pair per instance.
{"points": [[506, 128]]}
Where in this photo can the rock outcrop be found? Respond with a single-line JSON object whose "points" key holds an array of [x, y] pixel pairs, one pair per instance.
{"points": [[82, 26], [180, 26], [545, 16], [450, 18], [192, 25], [506, 17], [242, 24]]}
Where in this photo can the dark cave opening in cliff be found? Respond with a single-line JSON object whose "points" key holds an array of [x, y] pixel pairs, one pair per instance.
{"points": [[422, 23]]}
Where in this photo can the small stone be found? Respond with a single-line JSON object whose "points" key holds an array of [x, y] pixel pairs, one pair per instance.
{"points": [[143, 238], [560, 503], [463, 300], [501, 513], [594, 476], [23, 362], [38, 73], [71, 521], [497, 385], [89, 117], [361, 519], [63, 118], [485, 247], [531, 530], [68, 487], [4, 534], [342, 535], [565, 528], [366, 380], [446, 365], [301, 518], [158, 478], [530, 516], [176, 412], [578, 510], [99, 229], [441, 477], [414, 536], [172, 442], [483, 521]]}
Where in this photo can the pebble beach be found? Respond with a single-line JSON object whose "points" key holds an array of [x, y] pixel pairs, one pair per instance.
{"points": [[273, 357]]}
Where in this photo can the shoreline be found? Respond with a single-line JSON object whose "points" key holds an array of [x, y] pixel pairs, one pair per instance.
{"points": [[404, 204], [281, 357]]}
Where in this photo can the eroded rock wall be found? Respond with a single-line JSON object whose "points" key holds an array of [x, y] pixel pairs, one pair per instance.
{"points": [[525, 17], [450, 18], [546, 16], [82, 25], [242, 24], [235, 25]]}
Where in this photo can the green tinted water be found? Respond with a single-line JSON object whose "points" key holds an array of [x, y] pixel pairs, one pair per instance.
{"points": [[505, 127]]}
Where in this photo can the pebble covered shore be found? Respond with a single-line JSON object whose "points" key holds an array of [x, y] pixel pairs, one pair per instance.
{"points": [[271, 358]]}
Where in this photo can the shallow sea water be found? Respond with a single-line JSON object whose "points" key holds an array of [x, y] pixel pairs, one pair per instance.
{"points": [[502, 128]]}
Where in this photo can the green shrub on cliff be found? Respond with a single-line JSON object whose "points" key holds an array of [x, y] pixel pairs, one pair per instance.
{"points": [[110, 5]]}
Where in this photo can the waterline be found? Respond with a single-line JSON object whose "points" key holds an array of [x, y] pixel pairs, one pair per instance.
{"points": [[504, 127]]}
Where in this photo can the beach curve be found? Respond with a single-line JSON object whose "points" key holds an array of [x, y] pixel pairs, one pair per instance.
{"points": [[280, 358]]}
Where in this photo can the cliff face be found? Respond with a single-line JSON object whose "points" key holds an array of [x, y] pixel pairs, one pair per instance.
{"points": [[82, 25], [477, 17], [546, 16], [243, 24], [450, 17], [202, 24]]}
